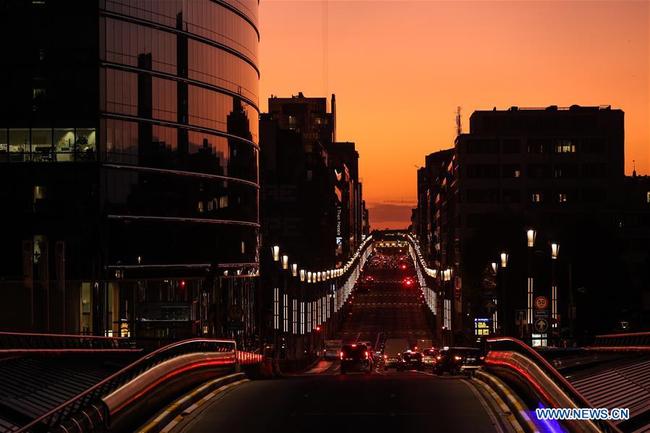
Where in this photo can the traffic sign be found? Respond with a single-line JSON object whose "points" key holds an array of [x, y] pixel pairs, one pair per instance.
{"points": [[541, 314], [541, 325], [541, 302]]}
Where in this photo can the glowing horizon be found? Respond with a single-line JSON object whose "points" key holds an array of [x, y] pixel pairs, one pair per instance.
{"points": [[399, 69]]}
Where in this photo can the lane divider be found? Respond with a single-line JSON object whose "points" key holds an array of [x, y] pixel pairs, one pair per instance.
{"points": [[176, 411]]}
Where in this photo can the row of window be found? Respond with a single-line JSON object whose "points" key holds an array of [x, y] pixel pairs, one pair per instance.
{"points": [[203, 152], [47, 144], [141, 95], [534, 145], [205, 18], [495, 195], [537, 171], [148, 48], [134, 192], [151, 193], [144, 144]]}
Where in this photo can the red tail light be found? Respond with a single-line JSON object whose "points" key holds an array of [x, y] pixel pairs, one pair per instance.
{"points": [[365, 354], [341, 355]]}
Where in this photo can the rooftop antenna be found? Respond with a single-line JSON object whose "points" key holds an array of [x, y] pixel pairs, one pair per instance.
{"points": [[633, 168], [459, 124]]}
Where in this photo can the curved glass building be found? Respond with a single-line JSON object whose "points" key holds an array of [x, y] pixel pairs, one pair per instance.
{"points": [[147, 111]]}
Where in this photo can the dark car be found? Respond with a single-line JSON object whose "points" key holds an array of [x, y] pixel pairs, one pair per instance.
{"points": [[455, 360], [429, 357], [410, 360], [356, 357]]}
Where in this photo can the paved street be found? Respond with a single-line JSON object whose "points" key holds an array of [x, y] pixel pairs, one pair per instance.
{"points": [[396, 402], [322, 400]]}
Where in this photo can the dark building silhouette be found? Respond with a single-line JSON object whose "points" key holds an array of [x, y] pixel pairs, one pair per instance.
{"points": [[128, 142], [557, 170], [298, 197], [344, 160], [312, 206]]}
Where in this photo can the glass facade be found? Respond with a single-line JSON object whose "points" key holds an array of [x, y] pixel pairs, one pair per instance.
{"points": [[179, 141], [179, 127], [133, 126]]}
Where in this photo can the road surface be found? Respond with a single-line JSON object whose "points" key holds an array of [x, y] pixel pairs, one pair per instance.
{"points": [[394, 402], [322, 400]]}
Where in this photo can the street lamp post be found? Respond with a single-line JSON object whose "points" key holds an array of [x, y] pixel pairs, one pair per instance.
{"points": [[531, 234], [447, 316], [495, 300], [555, 251], [275, 279], [503, 299]]}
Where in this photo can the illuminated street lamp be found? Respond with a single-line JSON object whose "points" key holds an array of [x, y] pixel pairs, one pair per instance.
{"points": [[302, 275], [285, 262], [494, 267], [294, 269], [504, 260], [275, 250], [555, 250], [531, 235]]}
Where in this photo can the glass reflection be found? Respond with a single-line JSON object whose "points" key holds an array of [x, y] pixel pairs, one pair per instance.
{"points": [[204, 18], [213, 66], [205, 153], [132, 192]]}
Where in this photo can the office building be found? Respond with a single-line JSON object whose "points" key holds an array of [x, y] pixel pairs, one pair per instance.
{"points": [[128, 141], [559, 171], [298, 195]]}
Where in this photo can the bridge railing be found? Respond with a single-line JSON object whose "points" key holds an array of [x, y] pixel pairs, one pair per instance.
{"points": [[426, 276], [631, 341], [514, 361], [28, 342], [168, 362]]}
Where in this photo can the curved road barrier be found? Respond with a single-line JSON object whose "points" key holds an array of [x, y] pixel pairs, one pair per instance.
{"points": [[137, 391], [538, 383]]}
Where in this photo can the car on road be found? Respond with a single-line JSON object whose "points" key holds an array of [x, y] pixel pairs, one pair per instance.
{"points": [[392, 351], [429, 357], [456, 360], [332, 348], [410, 360], [356, 357]]}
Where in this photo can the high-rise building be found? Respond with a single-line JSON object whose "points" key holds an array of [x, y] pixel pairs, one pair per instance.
{"points": [[343, 158], [129, 178], [556, 170], [298, 194]]}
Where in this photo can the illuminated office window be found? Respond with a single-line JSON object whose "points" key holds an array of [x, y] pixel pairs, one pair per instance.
{"points": [[565, 146]]}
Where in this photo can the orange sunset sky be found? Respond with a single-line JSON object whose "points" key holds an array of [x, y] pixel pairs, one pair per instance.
{"points": [[400, 68]]}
